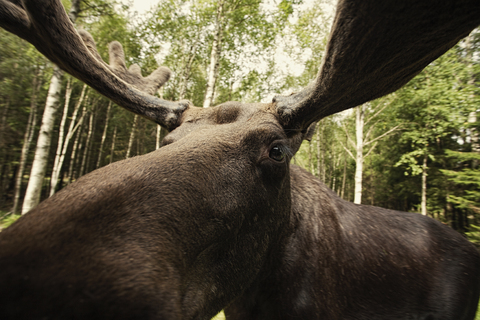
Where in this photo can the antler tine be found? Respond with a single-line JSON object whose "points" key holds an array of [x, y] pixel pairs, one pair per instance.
{"points": [[133, 75], [45, 24], [375, 47]]}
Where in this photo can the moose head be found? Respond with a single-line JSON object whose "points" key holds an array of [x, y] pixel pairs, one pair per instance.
{"points": [[183, 231]]}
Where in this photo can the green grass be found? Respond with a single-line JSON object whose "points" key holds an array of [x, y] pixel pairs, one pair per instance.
{"points": [[221, 316], [477, 317], [7, 219]]}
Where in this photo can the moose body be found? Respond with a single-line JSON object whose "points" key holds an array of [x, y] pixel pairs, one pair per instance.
{"points": [[217, 217], [348, 261]]}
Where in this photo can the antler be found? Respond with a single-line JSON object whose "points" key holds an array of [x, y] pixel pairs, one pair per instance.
{"points": [[45, 24], [375, 47]]}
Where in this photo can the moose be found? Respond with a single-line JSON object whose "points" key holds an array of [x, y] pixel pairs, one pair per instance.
{"points": [[218, 218]]}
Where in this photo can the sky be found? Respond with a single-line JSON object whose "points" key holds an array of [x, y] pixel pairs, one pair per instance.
{"points": [[141, 5]]}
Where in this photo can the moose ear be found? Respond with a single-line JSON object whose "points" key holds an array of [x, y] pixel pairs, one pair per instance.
{"points": [[308, 135]]}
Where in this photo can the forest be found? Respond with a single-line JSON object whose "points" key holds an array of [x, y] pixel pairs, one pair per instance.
{"points": [[416, 150]]}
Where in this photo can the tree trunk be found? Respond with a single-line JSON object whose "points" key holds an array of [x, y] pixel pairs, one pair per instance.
{"points": [[359, 121], [61, 134], [71, 169], [83, 166], [3, 123], [157, 140], [132, 136], [319, 167], [39, 165], [113, 144], [27, 141], [472, 119], [63, 144], [321, 153], [215, 56], [104, 136], [472, 116], [424, 185], [310, 158], [333, 175], [342, 193], [187, 70]]}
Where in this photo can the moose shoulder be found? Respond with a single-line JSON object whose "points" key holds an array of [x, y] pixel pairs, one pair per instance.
{"points": [[347, 261]]}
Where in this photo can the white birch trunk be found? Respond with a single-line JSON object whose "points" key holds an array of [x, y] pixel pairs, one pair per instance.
{"points": [[3, 123], [88, 140], [214, 57], [157, 140], [424, 185], [104, 135], [63, 144], [344, 179], [27, 141], [61, 134], [112, 149], [334, 177], [310, 158], [472, 116], [359, 123], [39, 165], [186, 71], [318, 150], [75, 147], [132, 136]]}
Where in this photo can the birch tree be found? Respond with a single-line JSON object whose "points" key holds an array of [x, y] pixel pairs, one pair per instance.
{"points": [[27, 140], [104, 136], [39, 165], [364, 139], [63, 143], [88, 142], [215, 54], [132, 136]]}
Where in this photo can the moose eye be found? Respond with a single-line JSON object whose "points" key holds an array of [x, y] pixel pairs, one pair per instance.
{"points": [[277, 154]]}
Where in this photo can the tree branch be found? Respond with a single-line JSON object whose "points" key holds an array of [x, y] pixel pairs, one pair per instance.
{"points": [[381, 136], [348, 151], [348, 136]]}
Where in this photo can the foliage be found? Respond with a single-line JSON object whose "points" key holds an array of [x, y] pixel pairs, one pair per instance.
{"points": [[220, 316], [474, 235], [465, 193], [7, 219]]}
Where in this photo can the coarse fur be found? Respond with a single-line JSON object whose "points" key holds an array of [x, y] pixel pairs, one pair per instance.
{"points": [[354, 262]]}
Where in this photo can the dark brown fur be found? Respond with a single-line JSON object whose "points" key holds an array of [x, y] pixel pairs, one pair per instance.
{"points": [[354, 262]]}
